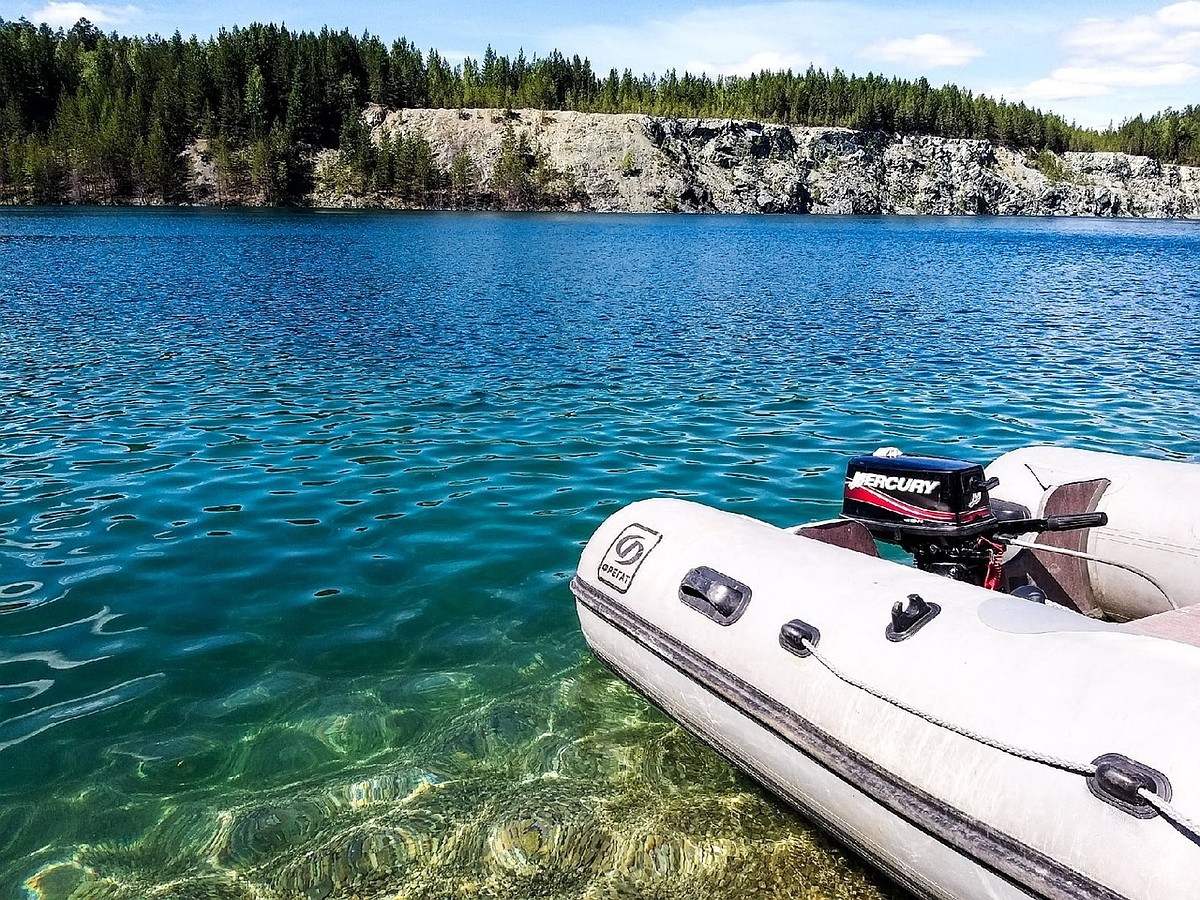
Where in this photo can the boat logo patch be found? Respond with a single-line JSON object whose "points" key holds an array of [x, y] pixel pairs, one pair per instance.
{"points": [[626, 554]]}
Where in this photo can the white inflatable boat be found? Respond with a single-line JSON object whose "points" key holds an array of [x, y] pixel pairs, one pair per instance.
{"points": [[975, 742]]}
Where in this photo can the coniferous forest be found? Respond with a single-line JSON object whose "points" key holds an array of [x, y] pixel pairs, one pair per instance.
{"points": [[87, 117]]}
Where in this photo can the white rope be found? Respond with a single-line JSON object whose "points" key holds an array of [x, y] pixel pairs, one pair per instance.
{"points": [[1078, 554], [1085, 769], [1166, 810]]}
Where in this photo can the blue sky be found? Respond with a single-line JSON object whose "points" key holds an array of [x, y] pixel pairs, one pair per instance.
{"points": [[1092, 62]]}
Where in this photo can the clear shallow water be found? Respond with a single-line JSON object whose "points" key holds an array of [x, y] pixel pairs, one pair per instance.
{"points": [[289, 503]]}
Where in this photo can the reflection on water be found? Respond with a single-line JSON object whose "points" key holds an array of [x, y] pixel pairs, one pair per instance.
{"points": [[289, 505]]}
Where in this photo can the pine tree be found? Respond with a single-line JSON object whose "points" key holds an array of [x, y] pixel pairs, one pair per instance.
{"points": [[512, 177], [464, 180]]}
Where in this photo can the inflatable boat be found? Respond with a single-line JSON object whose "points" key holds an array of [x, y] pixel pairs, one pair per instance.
{"points": [[1015, 714]]}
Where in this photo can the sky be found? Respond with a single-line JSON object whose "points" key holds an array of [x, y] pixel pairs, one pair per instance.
{"points": [[1094, 62]]}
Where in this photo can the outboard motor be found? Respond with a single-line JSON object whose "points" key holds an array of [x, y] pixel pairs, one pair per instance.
{"points": [[939, 511]]}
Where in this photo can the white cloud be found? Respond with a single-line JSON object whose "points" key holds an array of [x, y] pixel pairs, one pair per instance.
{"points": [[1114, 38], [64, 15], [1117, 76], [1183, 46], [770, 60], [1180, 15], [925, 51], [1057, 89], [1111, 56], [720, 40], [747, 37]]}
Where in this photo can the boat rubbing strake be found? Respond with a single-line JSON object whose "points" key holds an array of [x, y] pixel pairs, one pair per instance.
{"points": [[944, 720]]}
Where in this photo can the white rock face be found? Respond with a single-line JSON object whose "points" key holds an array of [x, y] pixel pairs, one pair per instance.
{"points": [[635, 163]]}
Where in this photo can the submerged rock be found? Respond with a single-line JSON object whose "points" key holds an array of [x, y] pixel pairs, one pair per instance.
{"points": [[573, 789]]}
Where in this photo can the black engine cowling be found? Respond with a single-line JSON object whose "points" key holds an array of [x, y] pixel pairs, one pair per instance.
{"points": [[899, 496]]}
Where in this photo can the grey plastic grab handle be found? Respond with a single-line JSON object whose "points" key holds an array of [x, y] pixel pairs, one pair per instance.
{"points": [[714, 594]]}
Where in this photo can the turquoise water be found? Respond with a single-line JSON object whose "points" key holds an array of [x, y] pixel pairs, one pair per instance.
{"points": [[289, 504]]}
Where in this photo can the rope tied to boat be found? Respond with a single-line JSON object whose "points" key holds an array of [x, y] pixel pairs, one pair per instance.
{"points": [[1158, 803], [1085, 769], [1171, 814]]}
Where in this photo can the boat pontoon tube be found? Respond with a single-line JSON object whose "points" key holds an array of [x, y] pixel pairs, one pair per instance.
{"points": [[1146, 560], [973, 744]]}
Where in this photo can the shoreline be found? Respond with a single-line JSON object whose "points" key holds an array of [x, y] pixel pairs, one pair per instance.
{"points": [[543, 161]]}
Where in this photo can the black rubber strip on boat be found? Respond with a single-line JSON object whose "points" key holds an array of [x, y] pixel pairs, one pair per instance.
{"points": [[1024, 867]]}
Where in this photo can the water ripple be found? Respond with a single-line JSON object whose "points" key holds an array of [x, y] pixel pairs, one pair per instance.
{"points": [[288, 504], [21, 728]]}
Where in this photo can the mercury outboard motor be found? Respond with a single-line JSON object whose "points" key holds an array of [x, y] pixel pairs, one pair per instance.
{"points": [[939, 511]]}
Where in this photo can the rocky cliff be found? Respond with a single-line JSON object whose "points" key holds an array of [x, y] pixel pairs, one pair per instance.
{"points": [[635, 163]]}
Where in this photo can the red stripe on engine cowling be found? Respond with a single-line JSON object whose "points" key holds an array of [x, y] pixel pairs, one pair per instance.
{"points": [[888, 502]]}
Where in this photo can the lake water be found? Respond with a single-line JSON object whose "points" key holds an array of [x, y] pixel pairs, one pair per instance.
{"points": [[289, 503]]}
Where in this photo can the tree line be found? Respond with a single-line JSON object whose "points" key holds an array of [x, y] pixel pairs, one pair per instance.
{"points": [[95, 118]]}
